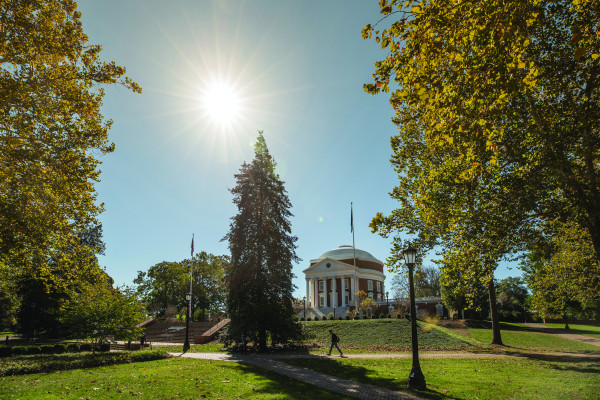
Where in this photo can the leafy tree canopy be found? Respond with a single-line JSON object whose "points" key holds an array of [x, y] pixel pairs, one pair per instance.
{"points": [[51, 132]]}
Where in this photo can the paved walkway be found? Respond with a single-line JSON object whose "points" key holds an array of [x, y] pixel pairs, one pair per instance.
{"points": [[559, 332]]}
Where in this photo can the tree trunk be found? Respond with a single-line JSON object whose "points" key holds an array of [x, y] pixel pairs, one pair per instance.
{"points": [[496, 337], [566, 321], [262, 340]]}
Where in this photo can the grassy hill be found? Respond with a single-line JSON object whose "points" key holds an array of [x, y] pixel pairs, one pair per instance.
{"points": [[385, 334]]}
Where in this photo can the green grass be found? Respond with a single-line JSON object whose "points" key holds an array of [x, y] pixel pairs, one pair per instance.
{"points": [[524, 339], [176, 378], [27, 364], [480, 378], [384, 335], [578, 329]]}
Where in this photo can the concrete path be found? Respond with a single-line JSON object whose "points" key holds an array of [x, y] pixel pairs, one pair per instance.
{"points": [[559, 332]]}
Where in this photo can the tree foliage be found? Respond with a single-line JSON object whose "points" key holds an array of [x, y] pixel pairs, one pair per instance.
{"points": [[100, 312], [426, 282], [262, 248], [497, 108], [167, 284], [561, 271], [51, 132], [513, 298]]}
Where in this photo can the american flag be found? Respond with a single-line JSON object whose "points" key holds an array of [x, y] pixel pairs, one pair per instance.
{"points": [[192, 245], [351, 219]]}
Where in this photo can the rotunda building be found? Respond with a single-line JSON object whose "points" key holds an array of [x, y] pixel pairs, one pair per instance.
{"points": [[333, 279]]}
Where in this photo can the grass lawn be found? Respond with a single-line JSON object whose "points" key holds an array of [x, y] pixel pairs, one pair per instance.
{"points": [[524, 339], [34, 363], [384, 335], [578, 329], [174, 378], [480, 378]]}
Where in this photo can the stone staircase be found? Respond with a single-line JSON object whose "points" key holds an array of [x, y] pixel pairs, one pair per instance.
{"points": [[174, 332], [324, 312]]}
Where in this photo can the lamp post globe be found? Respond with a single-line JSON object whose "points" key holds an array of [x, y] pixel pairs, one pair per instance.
{"points": [[416, 379]]}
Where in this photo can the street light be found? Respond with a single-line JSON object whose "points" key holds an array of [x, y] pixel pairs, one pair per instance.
{"points": [[186, 344], [416, 379], [304, 302], [387, 299]]}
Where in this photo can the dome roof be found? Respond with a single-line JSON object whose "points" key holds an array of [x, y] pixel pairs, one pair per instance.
{"points": [[345, 252]]}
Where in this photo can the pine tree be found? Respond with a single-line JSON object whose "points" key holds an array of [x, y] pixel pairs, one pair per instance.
{"points": [[262, 249]]}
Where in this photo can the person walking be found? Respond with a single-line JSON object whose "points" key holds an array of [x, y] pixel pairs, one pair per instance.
{"points": [[334, 342]]}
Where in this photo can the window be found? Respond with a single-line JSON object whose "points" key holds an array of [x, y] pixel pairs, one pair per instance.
{"points": [[321, 299], [346, 285], [379, 296], [370, 285], [379, 286], [371, 295], [321, 286]]}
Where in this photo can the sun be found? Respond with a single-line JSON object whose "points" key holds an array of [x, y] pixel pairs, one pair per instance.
{"points": [[221, 103]]}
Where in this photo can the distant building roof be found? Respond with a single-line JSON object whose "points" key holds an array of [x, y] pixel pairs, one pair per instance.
{"points": [[345, 252]]}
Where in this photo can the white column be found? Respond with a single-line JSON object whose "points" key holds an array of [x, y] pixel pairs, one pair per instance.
{"points": [[316, 294], [343, 281], [352, 288], [307, 294], [333, 291]]}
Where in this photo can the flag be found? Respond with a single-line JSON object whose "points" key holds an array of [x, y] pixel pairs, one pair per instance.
{"points": [[351, 219], [192, 245]]}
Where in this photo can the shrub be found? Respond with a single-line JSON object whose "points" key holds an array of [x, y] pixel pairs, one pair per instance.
{"points": [[356, 317], [47, 349], [34, 350], [19, 350], [301, 318], [330, 316], [399, 316], [60, 348], [104, 347], [72, 348], [5, 351], [148, 355], [85, 347], [309, 319], [340, 318]]}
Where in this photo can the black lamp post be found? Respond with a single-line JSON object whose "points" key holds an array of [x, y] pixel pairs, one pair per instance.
{"points": [[387, 299], [186, 344], [304, 302], [416, 379]]}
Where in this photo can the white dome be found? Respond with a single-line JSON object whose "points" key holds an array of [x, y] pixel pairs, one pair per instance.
{"points": [[345, 252]]}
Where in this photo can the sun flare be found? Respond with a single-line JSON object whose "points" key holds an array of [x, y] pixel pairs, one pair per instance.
{"points": [[221, 103]]}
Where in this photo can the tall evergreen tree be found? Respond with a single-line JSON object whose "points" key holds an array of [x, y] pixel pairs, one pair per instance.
{"points": [[262, 249]]}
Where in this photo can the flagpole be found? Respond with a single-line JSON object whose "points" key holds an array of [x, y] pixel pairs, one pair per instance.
{"points": [[186, 344], [354, 258]]}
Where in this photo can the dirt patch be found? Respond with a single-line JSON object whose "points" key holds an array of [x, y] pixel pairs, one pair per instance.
{"points": [[457, 325]]}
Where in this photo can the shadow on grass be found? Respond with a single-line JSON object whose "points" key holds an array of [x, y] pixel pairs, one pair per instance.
{"points": [[480, 324], [361, 374], [566, 362]]}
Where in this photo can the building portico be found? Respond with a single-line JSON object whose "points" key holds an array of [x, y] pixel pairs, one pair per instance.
{"points": [[333, 279]]}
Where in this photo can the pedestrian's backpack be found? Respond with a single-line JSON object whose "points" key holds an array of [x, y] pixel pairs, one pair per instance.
{"points": [[335, 338]]}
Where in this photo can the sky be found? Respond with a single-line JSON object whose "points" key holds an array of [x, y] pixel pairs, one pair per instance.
{"points": [[294, 70]]}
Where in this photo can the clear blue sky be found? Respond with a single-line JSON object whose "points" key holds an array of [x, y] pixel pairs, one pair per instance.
{"points": [[297, 68]]}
